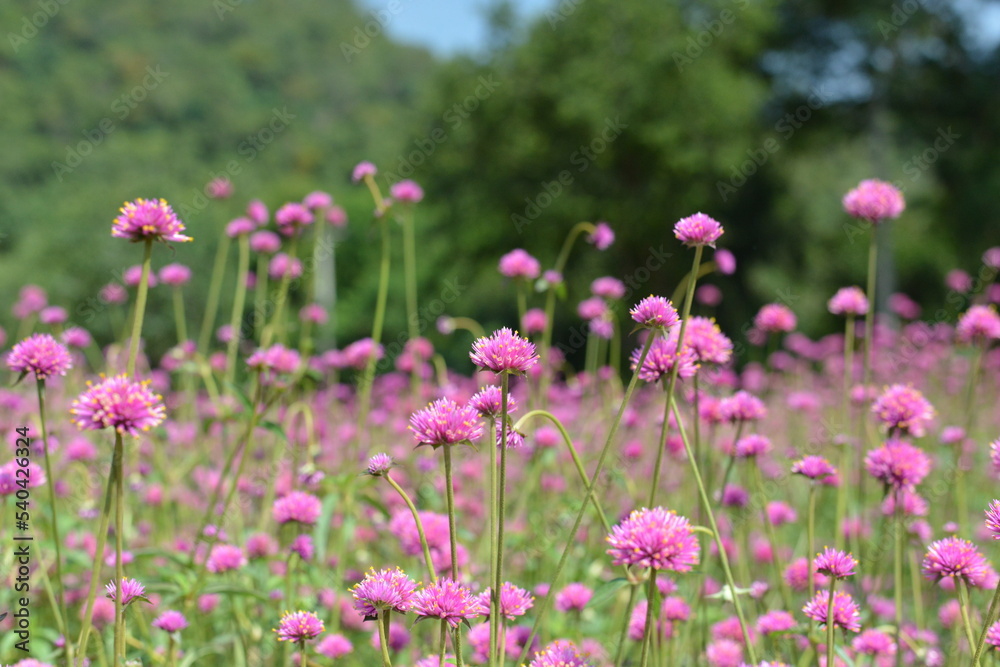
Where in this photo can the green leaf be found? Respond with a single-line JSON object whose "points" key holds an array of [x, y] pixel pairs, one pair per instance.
{"points": [[275, 428]]}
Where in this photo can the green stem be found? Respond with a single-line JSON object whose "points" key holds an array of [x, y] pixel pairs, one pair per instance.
{"points": [[830, 625], [501, 507], [779, 567], [898, 573], [672, 384], [845, 460], [961, 495], [410, 271], [715, 531], [60, 598], [647, 633], [988, 622], [612, 432], [811, 538], [450, 499], [276, 327], [140, 307], [383, 292], [420, 525], [492, 464], [236, 318], [443, 642], [383, 640], [626, 617], [102, 537], [119, 541], [963, 599], [870, 317], [214, 290], [259, 295]]}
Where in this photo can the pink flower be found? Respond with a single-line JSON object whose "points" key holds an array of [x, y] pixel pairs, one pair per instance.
{"points": [[32, 299], [170, 621], [299, 627], [561, 653], [979, 325], [297, 506], [955, 558], [265, 242], [448, 601], [317, 200], [362, 170], [574, 597], [707, 341], [874, 201], [698, 229], [118, 403], [835, 563], [132, 590], [388, 589], [406, 191], [898, 464], [53, 315], [334, 646], [144, 219], [902, 408], [775, 621], [655, 538], [655, 312], [257, 211], [175, 275], [662, 357], [219, 188], [445, 422], [874, 642], [608, 287], [846, 613], [514, 601], [487, 402], [291, 217], [726, 262], [993, 519], [519, 264], [848, 301], [602, 237], [240, 227], [504, 352], [814, 467], [534, 321], [40, 354], [775, 318], [225, 558]]}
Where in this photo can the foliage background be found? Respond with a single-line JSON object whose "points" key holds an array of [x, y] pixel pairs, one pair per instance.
{"points": [[698, 88]]}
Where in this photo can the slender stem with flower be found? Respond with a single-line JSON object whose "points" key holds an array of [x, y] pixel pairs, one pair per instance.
{"points": [[140, 307], [214, 290], [898, 570], [501, 506], [420, 526], [410, 271], [368, 379], [235, 319]]}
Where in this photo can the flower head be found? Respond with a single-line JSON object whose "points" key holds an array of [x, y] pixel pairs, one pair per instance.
{"points": [[132, 590], [874, 201], [743, 407], [379, 465], [903, 408], [406, 191], [874, 642], [993, 519], [956, 558], [448, 601], [225, 558], [698, 229], [815, 468], [661, 359], [274, 361], [752, 445], [40, 354], [707, 341], [299, 626], [561, 653], [898, 464], [775, 318], [602, 237], [656, 538], [835, 563], [291, 217], [504, 352], [362, 170], [574, 597], [388, 589], [979, 325], [117, 402], [519, 264], [445, 422], [487, 402], [298, 506], [846, 613], [655, 312], [848, 301], [775, 621], [514, 601], [170, 621], [151, 219]]}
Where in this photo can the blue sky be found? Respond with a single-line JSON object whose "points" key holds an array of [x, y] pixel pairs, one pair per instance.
{"points": [[447, 26]]}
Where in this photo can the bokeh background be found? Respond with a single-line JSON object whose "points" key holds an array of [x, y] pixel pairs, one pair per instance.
{"points": [[761, 113]]}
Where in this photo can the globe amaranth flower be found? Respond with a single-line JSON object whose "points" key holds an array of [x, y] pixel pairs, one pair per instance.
{"points": [[445, 422], [299, 627], [383, 590], [514, 601], [775, 621], [874, 200], [602, 236], [835, 563], [118, 403], [742, 407], [446, 600], [898, 464], [265, 242], [608, 288], [40, 354], [132, 590], [993, 635], [656, 538], [298, 506], [292, 217], [775, 318], [707, 341], [362, 170], [752, 446], [334, 646], [875, 643], [504, 352], [655, 312], [698, 229], [519, 263], [815, 468], [379, 465], [406, 191], [170, 621], [175, 275], [956, 558], [225, 558], [902, 408], [574, 597], [487, 402], [661, 359], [846, 614], [978, 325], [993, 518], [274, 361], [561, 653], [148, 219], [848, 301]]}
